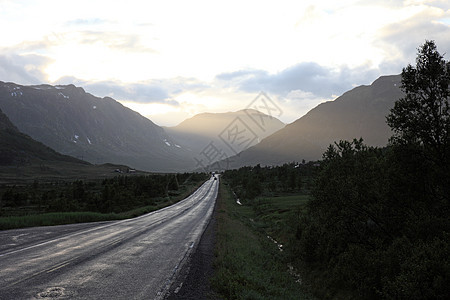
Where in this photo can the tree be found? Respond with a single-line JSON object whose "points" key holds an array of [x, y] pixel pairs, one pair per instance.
{"points": [[377, 223], [421, 119], [423, 115]]}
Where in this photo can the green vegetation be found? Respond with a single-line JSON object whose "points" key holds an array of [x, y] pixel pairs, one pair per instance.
{"points": [[377, 223], [248, 264], [376, 227], [62, 202], [26, 173], [277, 214], [49, 219]]}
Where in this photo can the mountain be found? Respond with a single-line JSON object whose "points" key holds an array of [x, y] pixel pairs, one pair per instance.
{"points": [[17, 148], [23, 160], [98, 130], [206, 132], [360, 112]]}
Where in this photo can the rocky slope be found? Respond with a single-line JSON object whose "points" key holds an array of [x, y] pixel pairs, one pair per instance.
{"points": [[98, 130], [18, 149]]}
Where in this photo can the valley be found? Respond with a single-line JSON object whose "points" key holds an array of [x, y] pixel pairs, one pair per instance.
{"points": [[349, 201], [101, 130], [263, 150]]}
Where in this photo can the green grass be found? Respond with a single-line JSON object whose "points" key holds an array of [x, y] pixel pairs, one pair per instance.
{"points": [[277, 215], [57, 218], [48, 171], [31, 219], [277, 208], [248, 265]]}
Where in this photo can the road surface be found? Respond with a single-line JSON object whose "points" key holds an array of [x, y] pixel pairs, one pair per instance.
{"points": [[130, 259]]}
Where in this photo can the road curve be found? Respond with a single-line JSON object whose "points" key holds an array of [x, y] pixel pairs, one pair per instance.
{"points": [[130, 259]]}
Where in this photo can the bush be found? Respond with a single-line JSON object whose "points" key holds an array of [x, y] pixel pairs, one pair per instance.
{"points": [[377, 224]]}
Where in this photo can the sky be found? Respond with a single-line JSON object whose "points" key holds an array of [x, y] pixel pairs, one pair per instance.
{"points": [[169, 60]]}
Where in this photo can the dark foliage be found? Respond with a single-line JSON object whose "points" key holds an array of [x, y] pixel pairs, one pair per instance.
{"points": [[422, 116], [378, 225], [113, 195], [250, 182]]}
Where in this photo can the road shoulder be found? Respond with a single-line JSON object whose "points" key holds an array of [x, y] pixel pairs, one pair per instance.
{"points": [[193, 280]]}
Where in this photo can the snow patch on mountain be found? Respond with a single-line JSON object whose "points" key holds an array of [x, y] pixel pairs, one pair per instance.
{"points": [[64, 96], [16, 92]]}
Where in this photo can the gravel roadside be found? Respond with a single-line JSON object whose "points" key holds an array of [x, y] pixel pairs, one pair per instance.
{"points": [[193, 279]]}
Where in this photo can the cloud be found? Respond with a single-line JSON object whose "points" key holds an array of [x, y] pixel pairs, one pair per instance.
{"points": [[93, 30], [401, 40], [30, 46], [136, 92], [142, 92], [87, 22], [150, 91], [387, 3], [23, 69], [114, 40], [241, 74], [435, 3], [308, 77]]}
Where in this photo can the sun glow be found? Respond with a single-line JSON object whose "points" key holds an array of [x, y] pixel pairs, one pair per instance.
{"points": [[185, 45], [149, 109]]}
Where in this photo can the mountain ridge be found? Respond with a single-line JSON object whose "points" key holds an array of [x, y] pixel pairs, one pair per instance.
{"points": [[207, 132], [99, 130], [25, 160], [359, 112]]}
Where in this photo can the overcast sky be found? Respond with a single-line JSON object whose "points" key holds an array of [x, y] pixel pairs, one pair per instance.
{"points": [[169, 60]]}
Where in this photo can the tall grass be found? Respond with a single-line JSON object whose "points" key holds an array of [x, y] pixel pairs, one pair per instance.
{"points": [[248, 265]]}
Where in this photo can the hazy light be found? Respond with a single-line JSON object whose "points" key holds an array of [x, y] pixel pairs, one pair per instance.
{"points": [[141, 41]]}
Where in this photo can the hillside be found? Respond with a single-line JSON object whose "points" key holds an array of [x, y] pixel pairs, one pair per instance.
{"points": [[17, 148], [198, 132], [98, 130], [23, 160], [360, 112]]}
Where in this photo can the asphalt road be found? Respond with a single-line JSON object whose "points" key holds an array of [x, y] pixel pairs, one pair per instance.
{"points": [[131, 259]]}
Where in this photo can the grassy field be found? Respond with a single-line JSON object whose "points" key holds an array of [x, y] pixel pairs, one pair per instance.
{"points": [[248, 264], [50, 219], [28, 218], [277, 214], [57, 171]]}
